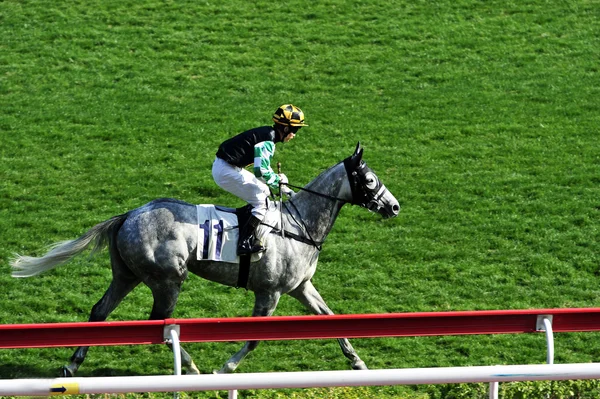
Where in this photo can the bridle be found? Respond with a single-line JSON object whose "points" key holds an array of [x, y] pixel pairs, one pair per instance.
{"points": [[366, 187]]}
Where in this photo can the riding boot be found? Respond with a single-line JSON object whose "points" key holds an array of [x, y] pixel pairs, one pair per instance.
{"points": [[246, 242]]}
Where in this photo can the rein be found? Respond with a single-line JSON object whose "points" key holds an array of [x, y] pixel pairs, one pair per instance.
{"points": [[312, 240], [331, 197], [309, 240]]}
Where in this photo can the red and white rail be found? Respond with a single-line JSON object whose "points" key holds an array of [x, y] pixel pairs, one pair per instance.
{"points": [[312, 327]]}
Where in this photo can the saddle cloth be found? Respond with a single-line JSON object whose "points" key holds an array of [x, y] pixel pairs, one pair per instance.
{"points": [[218, 232]]}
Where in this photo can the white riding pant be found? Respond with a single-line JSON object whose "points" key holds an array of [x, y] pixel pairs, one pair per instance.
{"points": [[243, 184]]}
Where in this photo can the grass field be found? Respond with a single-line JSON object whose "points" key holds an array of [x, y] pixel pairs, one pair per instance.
{"points": [[481, 117]]}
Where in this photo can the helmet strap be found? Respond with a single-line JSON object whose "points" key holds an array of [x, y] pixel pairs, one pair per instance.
{"points": [[282, 132], [286, 132]]}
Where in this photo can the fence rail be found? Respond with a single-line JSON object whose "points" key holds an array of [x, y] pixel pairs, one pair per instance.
{"points": [[303, 327], [305, 379], [298, 327]]}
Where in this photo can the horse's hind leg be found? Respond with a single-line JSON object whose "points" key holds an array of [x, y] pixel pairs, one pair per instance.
{"points": [[308, 295], [165, 294], [118, 289], [264, 305]]}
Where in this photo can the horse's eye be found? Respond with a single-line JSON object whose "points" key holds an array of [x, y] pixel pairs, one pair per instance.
{"points": [[370, 181]]}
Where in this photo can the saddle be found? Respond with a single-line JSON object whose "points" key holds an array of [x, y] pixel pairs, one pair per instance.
{"points": [[218, 231], [218, 235]]}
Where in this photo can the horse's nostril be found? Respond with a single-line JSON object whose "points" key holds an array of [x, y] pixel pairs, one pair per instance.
{"points": [[396, 209]]}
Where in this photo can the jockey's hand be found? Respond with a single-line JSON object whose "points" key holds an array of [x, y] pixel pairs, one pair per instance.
{"points": [[287, 191], [283, 179]]}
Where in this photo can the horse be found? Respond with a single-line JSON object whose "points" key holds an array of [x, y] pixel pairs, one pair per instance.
{"points": [[156, 244]]}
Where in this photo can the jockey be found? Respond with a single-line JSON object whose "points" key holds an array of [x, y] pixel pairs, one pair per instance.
{"points": [[255, 146]]}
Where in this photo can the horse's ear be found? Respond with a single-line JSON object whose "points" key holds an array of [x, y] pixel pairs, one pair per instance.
{"points": [[352, 162], [358, 152]]}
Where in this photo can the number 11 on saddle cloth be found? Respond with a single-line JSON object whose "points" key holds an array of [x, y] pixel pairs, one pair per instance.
{"points": [[218, 232]]}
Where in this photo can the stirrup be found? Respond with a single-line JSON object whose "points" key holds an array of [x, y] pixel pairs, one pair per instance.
{"points": [[245, 249]]}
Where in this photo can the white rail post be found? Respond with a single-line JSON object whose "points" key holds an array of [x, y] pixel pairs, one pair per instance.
{"points": [[544, 323], [494, 390], [171, 336]]}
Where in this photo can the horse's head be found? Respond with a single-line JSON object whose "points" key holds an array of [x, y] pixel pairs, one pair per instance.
{"points": [[367, 190]]}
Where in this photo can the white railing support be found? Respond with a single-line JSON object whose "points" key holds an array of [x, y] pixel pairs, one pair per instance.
{"points": [[494, 390], [171, 336], [549, 341], [544, 323]]}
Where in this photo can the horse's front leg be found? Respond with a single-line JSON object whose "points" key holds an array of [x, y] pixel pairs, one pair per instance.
{"points": [[264, 305], [308, 295]]}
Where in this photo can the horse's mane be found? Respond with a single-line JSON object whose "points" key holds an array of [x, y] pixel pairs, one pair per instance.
{"points": [[319, 177]]}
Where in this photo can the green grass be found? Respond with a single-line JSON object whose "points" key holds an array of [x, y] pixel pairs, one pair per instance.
{"points": [[481, 117]]}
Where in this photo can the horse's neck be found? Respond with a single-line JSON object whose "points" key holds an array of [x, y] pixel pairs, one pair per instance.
{"points": [[319, 213]]}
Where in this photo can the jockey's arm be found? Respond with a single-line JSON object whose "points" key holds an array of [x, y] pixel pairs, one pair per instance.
{"points": [[263, 153]]}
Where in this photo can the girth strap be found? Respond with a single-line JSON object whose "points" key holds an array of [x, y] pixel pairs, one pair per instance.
{"points": [[244, 271]]}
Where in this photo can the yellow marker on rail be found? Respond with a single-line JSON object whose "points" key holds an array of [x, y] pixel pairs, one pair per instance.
{"points": [[66, 388]]}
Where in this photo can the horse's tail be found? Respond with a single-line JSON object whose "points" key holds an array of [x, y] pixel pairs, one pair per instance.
{"points": [[62, 252]]}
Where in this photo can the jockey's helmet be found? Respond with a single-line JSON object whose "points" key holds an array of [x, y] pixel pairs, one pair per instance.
{"points": [[289, 115]]}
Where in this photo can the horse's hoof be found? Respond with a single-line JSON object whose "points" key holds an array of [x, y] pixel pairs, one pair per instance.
{"points": [[227, 368], [359, 365], [66, 372], [192, 371]]}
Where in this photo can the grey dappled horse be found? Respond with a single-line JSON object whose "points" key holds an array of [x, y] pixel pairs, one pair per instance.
{"points": [[156, 244]]}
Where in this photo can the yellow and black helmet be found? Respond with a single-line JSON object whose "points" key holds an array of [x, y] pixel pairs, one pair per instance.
{"points": [[289, 115]]}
